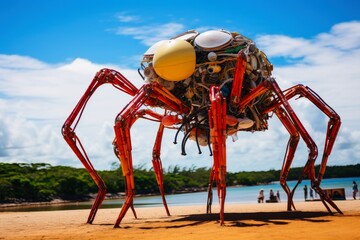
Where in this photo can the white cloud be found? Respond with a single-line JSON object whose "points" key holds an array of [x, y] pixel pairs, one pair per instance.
{"points": [[20, 62], [124, 17], [149, 35], [37, 101], [36, 98], [344, 36], [328, 64]]}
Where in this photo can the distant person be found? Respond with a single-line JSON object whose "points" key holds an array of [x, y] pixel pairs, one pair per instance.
{"points": [[261, 196], [305, 192], [271, 194], [355, 189], [311, 194], [272, 197], [336, 196], [278, 195]]}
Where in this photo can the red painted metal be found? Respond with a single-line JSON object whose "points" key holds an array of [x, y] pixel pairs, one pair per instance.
{"points": [[239, 72]]}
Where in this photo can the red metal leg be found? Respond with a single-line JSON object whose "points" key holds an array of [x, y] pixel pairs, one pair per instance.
{"points": [[289, 154], [132, 202], [217, 122], [238, 81], [309, 169], [210, 190], [158, 166], [281, 99], [78, 149], [333, 124], [122, 131], [125, 119], [104, 76]]}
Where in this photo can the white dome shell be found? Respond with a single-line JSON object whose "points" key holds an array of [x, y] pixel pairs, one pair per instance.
{"points": [[213, 40]]}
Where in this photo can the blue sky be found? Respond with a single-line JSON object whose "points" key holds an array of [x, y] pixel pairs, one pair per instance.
{"points": [[56, 31], [50, 50]]}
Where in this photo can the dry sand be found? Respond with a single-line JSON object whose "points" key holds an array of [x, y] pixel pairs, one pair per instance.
{"points": [[242, 221]]}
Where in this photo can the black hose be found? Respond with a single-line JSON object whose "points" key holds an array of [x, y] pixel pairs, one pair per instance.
{"points": [[209, 144], [186, 137], [187, 120], [197, 133]]}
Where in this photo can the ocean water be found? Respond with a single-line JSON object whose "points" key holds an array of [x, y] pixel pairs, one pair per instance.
{"points": [[241, 194], [248, 194]]}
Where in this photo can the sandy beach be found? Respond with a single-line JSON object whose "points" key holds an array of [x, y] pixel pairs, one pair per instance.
{"points": [[242, 221]]}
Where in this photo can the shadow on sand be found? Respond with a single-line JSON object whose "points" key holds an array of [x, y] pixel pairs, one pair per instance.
{"points": [[242, 219]]}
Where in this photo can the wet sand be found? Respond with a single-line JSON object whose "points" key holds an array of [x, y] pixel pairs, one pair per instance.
{"points": [[242, 221]]}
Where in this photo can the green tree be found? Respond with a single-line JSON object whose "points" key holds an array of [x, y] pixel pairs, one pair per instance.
{"points": [[73, 188]]}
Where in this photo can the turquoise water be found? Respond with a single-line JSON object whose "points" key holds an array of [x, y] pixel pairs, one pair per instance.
{"points": [[234, 195], [248, 194]]}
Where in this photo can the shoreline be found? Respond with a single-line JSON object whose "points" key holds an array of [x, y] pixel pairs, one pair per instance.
{"points": [[34, 204], [108, 196], [4, 207], [18, 203]]}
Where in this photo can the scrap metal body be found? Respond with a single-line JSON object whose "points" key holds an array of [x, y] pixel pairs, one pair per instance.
{"points": [[225, 88]]}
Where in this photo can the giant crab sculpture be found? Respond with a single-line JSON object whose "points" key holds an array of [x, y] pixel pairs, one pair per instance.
{"points": [[211, 85]]}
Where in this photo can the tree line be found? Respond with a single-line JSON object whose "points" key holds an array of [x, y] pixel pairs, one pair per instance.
{"points": [[38, 182]]}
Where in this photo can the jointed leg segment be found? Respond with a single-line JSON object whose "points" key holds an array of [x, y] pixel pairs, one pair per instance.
{"points": [[217, 122], [104, 76], [333, 128]]}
